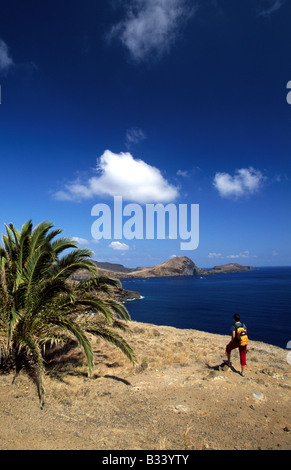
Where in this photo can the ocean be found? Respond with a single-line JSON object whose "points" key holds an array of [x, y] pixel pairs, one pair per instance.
{"points": [[262, 297]]}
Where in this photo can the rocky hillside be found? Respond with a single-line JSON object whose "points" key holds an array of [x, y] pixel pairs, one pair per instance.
{"points": [[178, 266], [230, 268]]}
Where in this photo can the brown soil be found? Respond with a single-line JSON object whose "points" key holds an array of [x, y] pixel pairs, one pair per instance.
{"points": [[179, 397]]}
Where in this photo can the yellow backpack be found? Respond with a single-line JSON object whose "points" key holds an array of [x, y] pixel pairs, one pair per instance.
{"points": [[241, 335]]}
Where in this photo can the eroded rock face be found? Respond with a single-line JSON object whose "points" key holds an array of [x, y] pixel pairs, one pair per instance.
{"points": [[178, 266]]}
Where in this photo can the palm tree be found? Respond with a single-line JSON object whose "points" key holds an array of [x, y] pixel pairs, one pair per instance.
{"points": [[40, 305]]}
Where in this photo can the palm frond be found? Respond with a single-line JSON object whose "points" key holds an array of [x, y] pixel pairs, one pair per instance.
{"points": [[39, 304], [62, 244], [70, 263], [98, 305], [119, 309], [76, 330], [35, 364], [12, 321], [38, 236], [109, 335]]}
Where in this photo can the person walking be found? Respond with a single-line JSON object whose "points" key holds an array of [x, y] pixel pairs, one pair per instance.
{"points": [[239, 339]]}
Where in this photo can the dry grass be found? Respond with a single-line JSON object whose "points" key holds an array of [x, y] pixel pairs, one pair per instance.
{"points": [[177, 397]]}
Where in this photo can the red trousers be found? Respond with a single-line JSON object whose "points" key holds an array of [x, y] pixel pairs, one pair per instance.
{"points": [[242, 351]]}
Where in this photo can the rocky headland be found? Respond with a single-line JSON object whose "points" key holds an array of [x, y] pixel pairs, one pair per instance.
{"points": [[178, 266]]}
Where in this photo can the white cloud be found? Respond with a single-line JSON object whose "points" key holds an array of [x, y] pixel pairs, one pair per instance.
{"points": [[6, 62], [134, 135], [151, 26], [183, 173], [245, 254], [122, 175], [245, 181], [270, 6], [83, 241], [214, 255], [119, 246], [188, 173]]}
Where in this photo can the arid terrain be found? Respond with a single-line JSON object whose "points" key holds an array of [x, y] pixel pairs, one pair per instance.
{"points": [[180, 396]]}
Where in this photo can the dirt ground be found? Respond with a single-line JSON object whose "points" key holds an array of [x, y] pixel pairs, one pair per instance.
{"points": [[180, 396]]}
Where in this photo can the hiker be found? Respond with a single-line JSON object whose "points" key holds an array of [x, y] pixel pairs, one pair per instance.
{"points": [[239, 339]]}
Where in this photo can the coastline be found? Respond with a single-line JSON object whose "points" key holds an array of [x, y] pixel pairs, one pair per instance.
{"points": [[260, 296], [179, 396]]}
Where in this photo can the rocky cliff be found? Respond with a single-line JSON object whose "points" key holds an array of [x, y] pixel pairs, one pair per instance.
{"points": [[178, 266]]}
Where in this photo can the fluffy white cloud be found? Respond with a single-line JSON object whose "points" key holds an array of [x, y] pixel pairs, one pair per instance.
{"points": [[151, 26], [122, 175], [6, 62], [245, 181], [119, 246]]}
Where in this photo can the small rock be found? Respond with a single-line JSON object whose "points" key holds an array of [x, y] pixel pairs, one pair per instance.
{"points": [[181, 408], [287, 429], [102, 394], [258, 396]]}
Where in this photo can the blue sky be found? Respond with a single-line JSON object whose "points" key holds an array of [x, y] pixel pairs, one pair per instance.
{"points": [[169, 101]]}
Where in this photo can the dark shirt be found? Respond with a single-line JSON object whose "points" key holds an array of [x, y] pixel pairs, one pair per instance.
{"points": [[235, 325]]}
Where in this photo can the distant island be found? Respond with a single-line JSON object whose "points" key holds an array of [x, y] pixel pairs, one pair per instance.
{"points": [[178, 266], [230, 268]]}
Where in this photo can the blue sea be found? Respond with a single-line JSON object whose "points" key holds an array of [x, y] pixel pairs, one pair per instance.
{"points": [[262, 297]]}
